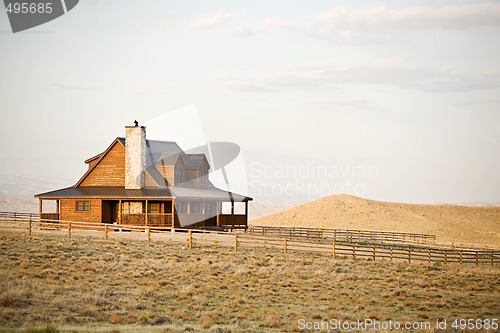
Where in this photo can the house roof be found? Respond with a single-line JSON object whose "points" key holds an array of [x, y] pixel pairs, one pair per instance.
{"points": [[107, 191], [117, 192], [193, 160], [93, 158], [168, 159], [156, 151], [206, 193]]}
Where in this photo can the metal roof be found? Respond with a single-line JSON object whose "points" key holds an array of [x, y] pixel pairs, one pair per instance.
{"points": [[107, 191], [177, 192], [194, 160]]}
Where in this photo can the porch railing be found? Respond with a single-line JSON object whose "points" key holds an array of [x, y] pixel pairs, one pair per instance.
{"points": [[158, 220], [229, 221], [49, 216]]}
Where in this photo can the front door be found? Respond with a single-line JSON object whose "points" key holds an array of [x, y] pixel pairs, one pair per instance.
{"points": [[109, 211]]}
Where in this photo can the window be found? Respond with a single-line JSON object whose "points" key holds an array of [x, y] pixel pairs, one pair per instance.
{"points": [[154, 208], [181, 207], [196, 207], [203, 177], [178, 176], [82, 206]]}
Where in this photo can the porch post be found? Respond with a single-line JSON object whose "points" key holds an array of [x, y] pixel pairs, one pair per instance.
{"points": [[120, 211], [232, 212], [40, 203], [218, 213], [146, 217], [173, 213], [246, 213], [57, 206]]}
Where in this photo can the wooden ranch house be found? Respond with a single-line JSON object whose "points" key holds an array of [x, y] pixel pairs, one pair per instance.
{"points": [[136, 181]]}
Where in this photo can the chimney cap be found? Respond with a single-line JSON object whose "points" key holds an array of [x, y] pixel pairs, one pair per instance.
{"points": [[136, 123]]}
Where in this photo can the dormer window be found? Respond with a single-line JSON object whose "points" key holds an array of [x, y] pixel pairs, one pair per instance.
{"points": [[203, 177], [178, 176]]}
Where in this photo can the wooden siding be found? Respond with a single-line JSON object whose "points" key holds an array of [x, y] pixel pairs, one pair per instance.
{"points": [[148, 181], [167, 172], [91, 164], [110, 171], [193, 175], [69, 213], [179, 165]]}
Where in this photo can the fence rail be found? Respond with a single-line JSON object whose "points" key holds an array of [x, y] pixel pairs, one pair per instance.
{"points": [[342, 234], [18, 215], [369, 249]]}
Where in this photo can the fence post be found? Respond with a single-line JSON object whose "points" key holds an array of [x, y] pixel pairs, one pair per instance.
{"points": [[445, 257], [106, 232], [69, 230], [29, 227], [373, 252], [461, 258], [235, 242], [149, 235], [333, 248], [409, 255], [491, 257], [391, 252], [190, 239], [429, 256], [477, 258], [285, 246], [353, 251]]}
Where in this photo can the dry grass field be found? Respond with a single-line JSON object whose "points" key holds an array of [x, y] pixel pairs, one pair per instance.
{"points": [[126, 286], [453, 223]]}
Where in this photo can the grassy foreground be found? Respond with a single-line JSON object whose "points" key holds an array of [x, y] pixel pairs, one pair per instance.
{"points": [[122, 286]]}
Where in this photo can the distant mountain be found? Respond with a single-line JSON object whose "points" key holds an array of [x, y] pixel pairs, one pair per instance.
{"points": [[257, 208], [18, 204], [454, 223], [17, 185], [479, 204]]}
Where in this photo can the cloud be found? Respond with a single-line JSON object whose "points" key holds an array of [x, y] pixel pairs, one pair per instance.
{"points": [[77, 87], [393, 72], [478, 102], [351, 104], [383, 25], [211, 19], [270, 23], [247, 85]]}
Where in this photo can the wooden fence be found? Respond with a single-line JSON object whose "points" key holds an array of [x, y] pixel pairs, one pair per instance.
{"points": [[362, 249], [342, 234]]}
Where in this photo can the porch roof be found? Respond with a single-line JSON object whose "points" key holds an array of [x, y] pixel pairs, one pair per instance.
{"points": [[176, 192], [107, 191]]}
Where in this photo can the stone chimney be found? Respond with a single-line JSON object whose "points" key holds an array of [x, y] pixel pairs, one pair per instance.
{"points": [[135, 156]]}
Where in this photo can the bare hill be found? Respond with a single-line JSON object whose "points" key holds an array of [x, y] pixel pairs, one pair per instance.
{"points": [[258, 209], [480, 225], [18, 203]]}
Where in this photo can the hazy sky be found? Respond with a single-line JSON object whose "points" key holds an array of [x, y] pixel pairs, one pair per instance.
{"points": [[390, 100]]}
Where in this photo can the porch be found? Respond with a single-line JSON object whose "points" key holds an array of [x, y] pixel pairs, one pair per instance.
{"points": [[156, 212]]}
